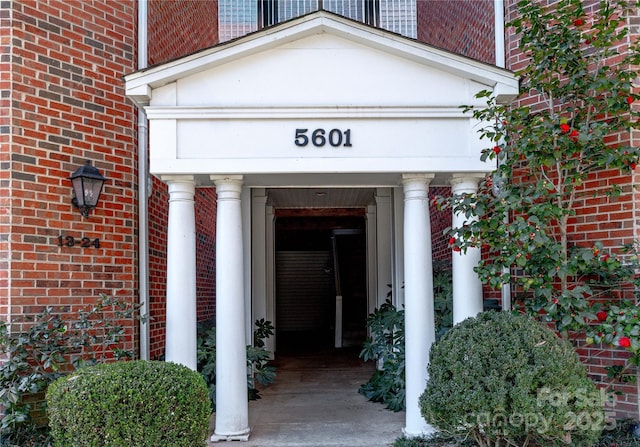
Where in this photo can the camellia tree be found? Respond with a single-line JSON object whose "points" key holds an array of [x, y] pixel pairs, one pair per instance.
{"points": [[565, 142]]}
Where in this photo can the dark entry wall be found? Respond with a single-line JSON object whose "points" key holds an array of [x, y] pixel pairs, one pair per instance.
{"points": [[306, 281]]}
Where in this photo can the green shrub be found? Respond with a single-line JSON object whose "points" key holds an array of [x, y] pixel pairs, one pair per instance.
{"points": [[442, 297], [386, 346], [434, 440], [137, 403], [39, 349], [386, 343], [505, 379], [259, 370]]}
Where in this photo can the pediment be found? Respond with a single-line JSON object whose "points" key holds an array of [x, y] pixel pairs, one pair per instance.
{"points": [[319, 59]]}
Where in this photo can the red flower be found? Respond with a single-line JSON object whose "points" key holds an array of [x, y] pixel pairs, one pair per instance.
{"points": [[574, 135], [605, 257], [564, 128], [624, 342], [452, 240], [456, 248], [632, 165], [496, 149], [578, 22], [629, 99], [602, 315]]}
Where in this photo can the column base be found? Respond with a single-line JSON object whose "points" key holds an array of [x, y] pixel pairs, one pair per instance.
{"points": [[426, 431], [241, 436]]}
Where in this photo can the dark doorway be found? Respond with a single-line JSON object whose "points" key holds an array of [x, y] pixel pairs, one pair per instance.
{"points": [[316, 258]]}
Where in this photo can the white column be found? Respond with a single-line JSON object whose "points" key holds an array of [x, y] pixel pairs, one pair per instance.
{"points": [[232, 408], [259, 254], [397, 247], [245, 210], [181, 273], [383, 254], [419, 313], [467, 288], [372, 263], [271, 274]]}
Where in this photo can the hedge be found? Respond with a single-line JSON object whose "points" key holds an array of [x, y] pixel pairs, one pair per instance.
{"points": [[137, 403]]}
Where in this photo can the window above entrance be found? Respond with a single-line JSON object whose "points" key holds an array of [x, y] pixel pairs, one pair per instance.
{"points": [[239, 17]]}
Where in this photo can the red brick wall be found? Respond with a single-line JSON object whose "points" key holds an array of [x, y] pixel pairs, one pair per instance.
{"points": [[440, 220], [611, 221], [181, 27], [206, 209], [5, 155], [67, 105], [462, 26], [158, 219]]}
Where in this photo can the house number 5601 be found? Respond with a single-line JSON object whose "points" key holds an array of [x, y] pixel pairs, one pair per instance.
{"points": [[321, 137]]}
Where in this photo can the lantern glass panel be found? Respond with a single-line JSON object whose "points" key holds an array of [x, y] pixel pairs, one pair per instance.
{"points": [[78, 189], [92, 190]]}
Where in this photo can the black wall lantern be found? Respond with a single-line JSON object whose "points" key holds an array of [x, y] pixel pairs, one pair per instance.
{"points": [[87, 186]]}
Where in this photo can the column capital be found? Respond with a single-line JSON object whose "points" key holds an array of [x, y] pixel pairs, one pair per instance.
{"points": [[382, 195], [416, 186], [181, 187], [472, 178], [177, 178], [180, 183], [417, 177], [228, 186], [259, 194], [382, 200], [226, 178]]}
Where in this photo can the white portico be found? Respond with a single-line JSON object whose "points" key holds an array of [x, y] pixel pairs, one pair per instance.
{"points": [[318, 101]]}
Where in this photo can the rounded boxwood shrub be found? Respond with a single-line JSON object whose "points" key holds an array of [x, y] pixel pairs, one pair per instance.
{"points": [[505, 379], [138, 403]]}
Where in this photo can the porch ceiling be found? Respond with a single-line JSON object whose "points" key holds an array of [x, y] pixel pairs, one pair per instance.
{"points": [[320, 197]]}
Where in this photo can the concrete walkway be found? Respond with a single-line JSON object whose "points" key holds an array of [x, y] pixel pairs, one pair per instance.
{"points": [[315, 403]]}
